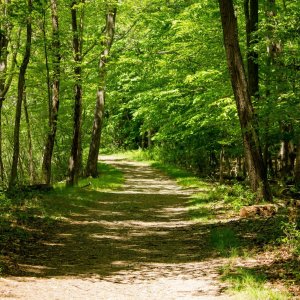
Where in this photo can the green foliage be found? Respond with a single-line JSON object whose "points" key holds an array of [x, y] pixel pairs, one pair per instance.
{"points": [[291, 236], [167, 82], [227, 198], [237, 195]]}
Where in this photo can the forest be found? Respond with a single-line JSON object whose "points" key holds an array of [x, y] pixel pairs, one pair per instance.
{"points": [[210, 87], [161, 69]]}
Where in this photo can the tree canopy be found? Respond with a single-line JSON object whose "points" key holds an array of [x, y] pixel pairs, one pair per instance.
{"points": [[163, 72]]}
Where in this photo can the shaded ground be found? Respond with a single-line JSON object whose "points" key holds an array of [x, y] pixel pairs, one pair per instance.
{"points": [[134, 243]]}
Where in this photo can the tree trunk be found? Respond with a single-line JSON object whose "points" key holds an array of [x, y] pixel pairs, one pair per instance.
{"points": [[1, 160], [143, 141], [21, 85], [30, 151], [75, 157], [4, 39], [297, 166], [221, 177], [251, 15], [91, 167], [53, 113], [44, 25], [254, 161], [149, 139], [286, 151]]}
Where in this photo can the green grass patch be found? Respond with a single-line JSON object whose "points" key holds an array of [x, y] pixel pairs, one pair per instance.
{"points": [[109, 178], [63, 201], [137, 155], [183, 177], [224, 241], [249, 284]]}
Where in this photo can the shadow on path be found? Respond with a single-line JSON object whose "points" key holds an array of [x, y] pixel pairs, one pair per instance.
{"points": [[138, 234], [145, 222]]}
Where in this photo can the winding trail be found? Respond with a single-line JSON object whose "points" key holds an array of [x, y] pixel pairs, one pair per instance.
{"points": [[134, 243]]}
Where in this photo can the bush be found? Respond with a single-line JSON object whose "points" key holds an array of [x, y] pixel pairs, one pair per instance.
{"points": [[235, 195], [291, 236]]}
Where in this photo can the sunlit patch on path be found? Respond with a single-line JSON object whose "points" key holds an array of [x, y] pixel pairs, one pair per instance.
{"points": [[134, 243]]}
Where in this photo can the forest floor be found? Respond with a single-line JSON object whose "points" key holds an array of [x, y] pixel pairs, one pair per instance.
{"points": [[139, 242]]}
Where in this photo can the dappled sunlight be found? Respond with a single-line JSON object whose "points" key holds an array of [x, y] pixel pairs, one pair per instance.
{"points": [[141, 234], [142, 179], [106, 237], [142, 240]]}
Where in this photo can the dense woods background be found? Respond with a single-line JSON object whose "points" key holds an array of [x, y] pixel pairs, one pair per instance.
{"points": [[160, 68]]}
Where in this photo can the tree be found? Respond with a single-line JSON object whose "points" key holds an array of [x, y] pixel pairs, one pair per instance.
{"points": [[254, 162], [75, 158], [251, 15], [54, 105], [91, 166], [297, 166], [6, 75], [4, 32], [21, 88]]}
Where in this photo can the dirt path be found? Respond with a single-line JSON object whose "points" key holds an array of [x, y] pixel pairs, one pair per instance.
{"points": [[134, 243]]}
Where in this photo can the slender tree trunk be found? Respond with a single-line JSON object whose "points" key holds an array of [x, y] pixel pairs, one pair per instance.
{"points": [[53, 113], [239, 167], [272, 49], [254, 161], [3, 74], [91, 167], [149, 139], [297, 166], [75, 157], [47, 66], [221, 178], [1, 160], [143, 141], [286, 154], [30, 151], [251, 15], [21, 85]]}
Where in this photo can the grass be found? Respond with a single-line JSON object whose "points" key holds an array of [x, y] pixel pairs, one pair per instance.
{"points": [[63, 200], [247, 284], [225, 241], [109, 178], [27, 217]]}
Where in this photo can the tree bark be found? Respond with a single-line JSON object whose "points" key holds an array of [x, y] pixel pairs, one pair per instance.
{"points": [[54, 107], [297, 166], [44, 25], [221, 177], [254, 161], [29, 137], [4, 40], [21, 85], [91, 167], [1, 160], [75, 157], [251, 15]]}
